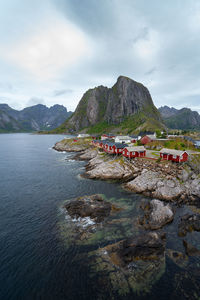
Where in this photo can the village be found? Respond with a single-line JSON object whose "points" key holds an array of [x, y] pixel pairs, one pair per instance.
{"points": [[139, 146]]}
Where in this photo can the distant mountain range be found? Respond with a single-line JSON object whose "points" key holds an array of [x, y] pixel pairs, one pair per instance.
{"points": [[33, 118], [127, 107], [184, 119]]}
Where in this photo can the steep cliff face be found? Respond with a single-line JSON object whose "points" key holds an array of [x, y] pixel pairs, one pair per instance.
{"points": [[126, 100], [8, 123], [37, 117], [184, 118]]}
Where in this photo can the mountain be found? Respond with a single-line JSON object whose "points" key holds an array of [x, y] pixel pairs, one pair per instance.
{"points": [[184, 118], [126, 107], [37, 117]]}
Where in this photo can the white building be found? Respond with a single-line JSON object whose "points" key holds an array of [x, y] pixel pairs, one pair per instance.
{"points": [[83, 135], [123, 139]]}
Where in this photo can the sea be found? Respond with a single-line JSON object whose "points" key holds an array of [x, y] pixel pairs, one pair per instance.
{"points": [[40, 256]]}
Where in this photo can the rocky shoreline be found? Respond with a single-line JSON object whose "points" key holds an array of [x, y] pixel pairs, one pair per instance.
{"points": [[136, 261], [161, 180]]}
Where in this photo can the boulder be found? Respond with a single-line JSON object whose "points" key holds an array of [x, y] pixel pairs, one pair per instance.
{"points": [[147, 181], [170, 190], [92, 206], [88, 154], [147, 246], [157, 215], [178, 258], [190, 250], [105, 167], [188, 223]]}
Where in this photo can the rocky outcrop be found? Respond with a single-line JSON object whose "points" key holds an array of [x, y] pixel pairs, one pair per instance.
{"points": [[88, 154], [188, 223], [156, 185], [92, 206], [134, 264], [148, 246], [127, 98], [104, 167], [68, 145], [156, 214]]}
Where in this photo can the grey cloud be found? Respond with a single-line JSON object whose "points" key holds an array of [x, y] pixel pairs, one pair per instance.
{"points": [[115, 29], [151, 71], [57, 93], [34, 101]]}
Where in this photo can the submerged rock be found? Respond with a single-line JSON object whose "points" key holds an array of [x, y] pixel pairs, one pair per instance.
{"points": [[189, 223], [190, 249], [186, 284], [178, 258], [148, 246], [92, 206], [157, 214], [134, 264]]}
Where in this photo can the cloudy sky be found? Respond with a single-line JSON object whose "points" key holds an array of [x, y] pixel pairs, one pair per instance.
{"points": [[52, 51]]}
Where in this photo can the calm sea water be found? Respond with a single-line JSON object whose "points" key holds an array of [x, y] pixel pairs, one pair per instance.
{"points": [[35, 262]]}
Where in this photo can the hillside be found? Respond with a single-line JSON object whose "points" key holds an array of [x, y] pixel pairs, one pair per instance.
{"points": [[37, 117], [126, 107], [184, 118]]}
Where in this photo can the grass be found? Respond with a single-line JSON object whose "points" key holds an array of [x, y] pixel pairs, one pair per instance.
{"points": [[176, 143]]}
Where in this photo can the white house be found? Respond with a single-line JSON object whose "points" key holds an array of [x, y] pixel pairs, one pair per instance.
{"points": [[123, 139], [83, 135]]}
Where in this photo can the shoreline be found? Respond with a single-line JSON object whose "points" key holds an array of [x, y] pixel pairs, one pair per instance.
{"points": [[160, 180]]}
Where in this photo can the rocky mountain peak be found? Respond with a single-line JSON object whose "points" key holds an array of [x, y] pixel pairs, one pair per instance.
{"points": [[127, 98]]}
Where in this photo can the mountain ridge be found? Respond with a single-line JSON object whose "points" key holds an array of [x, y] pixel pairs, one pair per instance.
{"points": [[184, 118], [33, 118]]}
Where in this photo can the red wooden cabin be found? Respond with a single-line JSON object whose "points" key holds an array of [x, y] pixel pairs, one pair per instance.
{"points": [[173, 155], [132, 152]]}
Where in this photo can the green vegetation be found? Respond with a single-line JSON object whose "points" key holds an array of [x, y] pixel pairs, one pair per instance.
{"points": [[100, 128], [175, 143]]}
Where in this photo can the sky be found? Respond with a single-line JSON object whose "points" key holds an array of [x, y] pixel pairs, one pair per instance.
{"points": [[52, 51]]}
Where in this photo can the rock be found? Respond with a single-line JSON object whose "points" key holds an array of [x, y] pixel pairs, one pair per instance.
{"points": [[148, 246], [184, 279], [160, 187], [194, 188], [190, 249], [145, 182], [116, 168], [68, 146], [93, 207], [170, 183], [134, 264], [157, 215], [178, 258], [188, 223], [88, 154], [169, 191], [185, 175]]}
